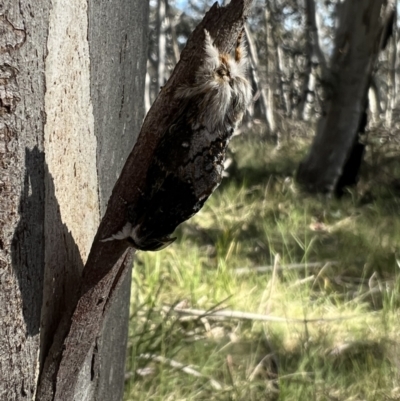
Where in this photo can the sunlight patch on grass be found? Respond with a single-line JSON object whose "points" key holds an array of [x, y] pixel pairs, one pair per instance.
{"points": [[344, 345]]}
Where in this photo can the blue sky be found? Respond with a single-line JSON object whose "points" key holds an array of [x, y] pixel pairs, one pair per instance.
{"points": [[181, 4]]}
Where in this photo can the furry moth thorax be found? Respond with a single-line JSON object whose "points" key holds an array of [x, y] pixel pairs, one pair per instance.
{"points": [[188, 162], [222, 83]]}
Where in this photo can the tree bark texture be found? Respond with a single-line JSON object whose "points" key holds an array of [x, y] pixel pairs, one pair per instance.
{"points": [[23, 30], [76, 342], [71, 88], [357, 44]]}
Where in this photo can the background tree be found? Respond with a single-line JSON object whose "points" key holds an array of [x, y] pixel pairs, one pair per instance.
{"points": [[357, 44]]}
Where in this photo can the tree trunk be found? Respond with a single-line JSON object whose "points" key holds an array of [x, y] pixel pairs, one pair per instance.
{"points": [[254, 66], [313, 55], [374, 100], [357, 44], [71, 108], [73, 355], [162, 42], [271, 73], [391, 45]]}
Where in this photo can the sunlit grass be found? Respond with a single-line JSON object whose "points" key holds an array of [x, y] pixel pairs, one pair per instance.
{"points": [[345, 343]]}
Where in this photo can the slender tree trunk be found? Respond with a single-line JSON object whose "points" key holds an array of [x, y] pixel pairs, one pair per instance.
{"points": [[286, 85], [172, 22], [357, 45], [69, 116], [374, 100], [271, 71], [162, 42], [391, 45], [254, 65], [147, 90], [314, 55]]}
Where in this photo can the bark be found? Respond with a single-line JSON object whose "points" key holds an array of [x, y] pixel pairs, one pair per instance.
{"points": [[75, 341], [357, 44], [60, 94], [22, 118]]}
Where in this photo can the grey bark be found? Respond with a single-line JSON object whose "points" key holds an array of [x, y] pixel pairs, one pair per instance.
{"points": [[357, 45], [22, 88], [117, 122], [71, 84]]}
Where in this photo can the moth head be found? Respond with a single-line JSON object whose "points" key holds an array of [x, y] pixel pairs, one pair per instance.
{"points": [[226, 68], [223, 71]]}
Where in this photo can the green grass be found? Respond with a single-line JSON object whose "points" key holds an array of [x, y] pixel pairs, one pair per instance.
{"points": [[258, 217]]}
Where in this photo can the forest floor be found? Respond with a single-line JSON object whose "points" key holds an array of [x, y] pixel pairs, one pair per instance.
{"points": [[269, 293]]}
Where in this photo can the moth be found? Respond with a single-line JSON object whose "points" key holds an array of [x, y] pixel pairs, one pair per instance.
{"points": [[188, 161]]}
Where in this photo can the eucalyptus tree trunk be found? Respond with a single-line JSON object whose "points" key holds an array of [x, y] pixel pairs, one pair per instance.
{"points": [[173, 20], [374, 100], [314, 56], [162, 42], [391, 46], [71, 105], [254, 72], [284, 67], [271, 71], [358, 40]]}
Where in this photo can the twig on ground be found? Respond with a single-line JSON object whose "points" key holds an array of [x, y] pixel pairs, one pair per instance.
{"points": [[308, 376], [224, 314], [293, 266], [184, 368], [302, 281]]}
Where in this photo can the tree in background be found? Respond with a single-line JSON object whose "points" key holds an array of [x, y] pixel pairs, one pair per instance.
{"points": [[335, 154], [306, 57]]}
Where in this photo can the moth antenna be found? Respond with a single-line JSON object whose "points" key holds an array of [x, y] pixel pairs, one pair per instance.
{"points": [[239, 49]]}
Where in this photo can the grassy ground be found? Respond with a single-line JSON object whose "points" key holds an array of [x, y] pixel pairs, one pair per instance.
{"points": [[338, 333]]}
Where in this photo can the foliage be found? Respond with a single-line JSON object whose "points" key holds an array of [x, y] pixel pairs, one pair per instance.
{"points": [[258, 217]]}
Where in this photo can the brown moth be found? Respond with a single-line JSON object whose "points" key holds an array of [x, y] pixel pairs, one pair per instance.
{"points": [[189, 159]]}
